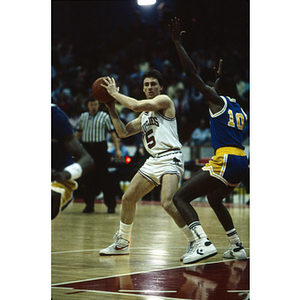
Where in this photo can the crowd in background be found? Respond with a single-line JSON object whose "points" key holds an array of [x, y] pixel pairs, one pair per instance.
{"points": [[127, 54]]}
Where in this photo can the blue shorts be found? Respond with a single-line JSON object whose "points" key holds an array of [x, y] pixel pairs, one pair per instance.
{"points": [[229, 164]]}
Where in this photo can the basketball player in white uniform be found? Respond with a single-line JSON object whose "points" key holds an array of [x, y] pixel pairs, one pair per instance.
{"points": [[157, 123]]}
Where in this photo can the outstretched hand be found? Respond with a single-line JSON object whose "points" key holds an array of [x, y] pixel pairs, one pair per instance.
{"points": [[218, 73], [174, 28]]}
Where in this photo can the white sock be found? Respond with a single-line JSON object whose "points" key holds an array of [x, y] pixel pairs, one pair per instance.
{"points": [[125, 230], [233, 236], [188, 233], [197, 230]]}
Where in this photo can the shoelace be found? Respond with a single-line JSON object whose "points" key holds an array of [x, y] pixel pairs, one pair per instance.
{"points": [[190, 246], [117, 237]]}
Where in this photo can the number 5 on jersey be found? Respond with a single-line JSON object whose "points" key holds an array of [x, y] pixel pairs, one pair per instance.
{"points": [[150, 139]]}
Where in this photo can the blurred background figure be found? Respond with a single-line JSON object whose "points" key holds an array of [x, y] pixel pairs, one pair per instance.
{"points": [[91, 131], [201, 135]]}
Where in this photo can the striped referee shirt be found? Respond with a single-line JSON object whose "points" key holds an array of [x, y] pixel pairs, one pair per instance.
{"points": [[94, 127]]}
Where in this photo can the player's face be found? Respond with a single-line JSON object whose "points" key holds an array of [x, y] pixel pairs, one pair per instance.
{"points": [[93, 107], [151, 87]]}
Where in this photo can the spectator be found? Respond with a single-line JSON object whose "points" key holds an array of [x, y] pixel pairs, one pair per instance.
{"points": [[137, 48], [181, 102], [201, 134]]}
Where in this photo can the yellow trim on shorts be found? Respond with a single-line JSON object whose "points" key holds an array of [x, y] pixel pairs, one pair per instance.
{"points": [[230, 150], [65, 189], [216, 169]]}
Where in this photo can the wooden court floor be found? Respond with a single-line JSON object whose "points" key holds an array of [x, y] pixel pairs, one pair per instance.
{"points": [[153, 270]]}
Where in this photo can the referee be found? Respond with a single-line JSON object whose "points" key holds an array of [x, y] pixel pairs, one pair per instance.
{"points": [[91, 131]]}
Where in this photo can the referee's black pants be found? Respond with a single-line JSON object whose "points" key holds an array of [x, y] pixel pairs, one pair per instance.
{"points": [[100, 179]]}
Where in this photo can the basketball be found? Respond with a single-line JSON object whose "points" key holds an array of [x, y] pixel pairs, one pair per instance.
{"points": [[100, 93]]}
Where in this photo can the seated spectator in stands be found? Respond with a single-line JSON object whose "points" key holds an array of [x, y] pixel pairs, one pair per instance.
{"points": [[144, 65], [127, 115], [174, 85], [201, 134], [123, 149], [109, 70], [181, 102]]}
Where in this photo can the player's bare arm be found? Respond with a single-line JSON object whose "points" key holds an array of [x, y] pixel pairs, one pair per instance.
{"points": [[123, 130], [73, 146], [160, 103], [215, 102], [155, 101]]}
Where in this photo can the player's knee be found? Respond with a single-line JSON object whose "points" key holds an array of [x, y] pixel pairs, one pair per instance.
{"points": [[167, 205], [124, 198], [177, 200], [127, 200], [213, 201]]}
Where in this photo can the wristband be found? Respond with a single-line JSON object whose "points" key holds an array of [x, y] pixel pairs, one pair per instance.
{"points": [[75, 170]]}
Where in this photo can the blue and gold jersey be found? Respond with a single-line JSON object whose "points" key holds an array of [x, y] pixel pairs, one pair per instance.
{"points": [[60, 128], [227, 125]]}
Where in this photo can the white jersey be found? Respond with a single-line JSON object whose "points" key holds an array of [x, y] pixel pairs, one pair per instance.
{"points": [[159, 133]]}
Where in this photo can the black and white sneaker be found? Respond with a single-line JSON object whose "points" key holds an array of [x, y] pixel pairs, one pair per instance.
{"points": [[189, 249], [202, 248], [236, 251]]}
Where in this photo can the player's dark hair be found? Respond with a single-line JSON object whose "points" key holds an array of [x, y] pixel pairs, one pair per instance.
{"points": [[228, 87], [155, 74]]}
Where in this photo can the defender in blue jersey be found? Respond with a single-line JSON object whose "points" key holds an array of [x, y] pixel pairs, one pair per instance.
{"points": [[64, 171], [227, 168]]}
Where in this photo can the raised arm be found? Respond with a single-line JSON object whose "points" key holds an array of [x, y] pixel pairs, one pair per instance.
{"points": [[215, 102]]}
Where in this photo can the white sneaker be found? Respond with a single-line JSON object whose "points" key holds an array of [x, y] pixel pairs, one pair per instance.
{"points": [[236, 251], [188, 250], [119, 247], [202, 248]]}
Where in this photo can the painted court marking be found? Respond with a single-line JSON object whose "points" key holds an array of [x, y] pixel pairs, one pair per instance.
{"points": [[226, 280], [132, 248]]}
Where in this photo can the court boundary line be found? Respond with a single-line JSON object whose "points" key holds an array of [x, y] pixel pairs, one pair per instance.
{"points": [[133, 248], [116, 293], [143, 272]]}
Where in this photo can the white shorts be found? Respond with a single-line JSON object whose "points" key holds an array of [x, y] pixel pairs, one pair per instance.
{"points": [[169, 163]]}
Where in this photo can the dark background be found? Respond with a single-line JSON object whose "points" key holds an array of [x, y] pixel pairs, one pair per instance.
{"points": [[121, 39], [222, 24]]}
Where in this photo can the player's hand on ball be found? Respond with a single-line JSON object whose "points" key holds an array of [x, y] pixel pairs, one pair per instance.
{"points": [[110, 85]]}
